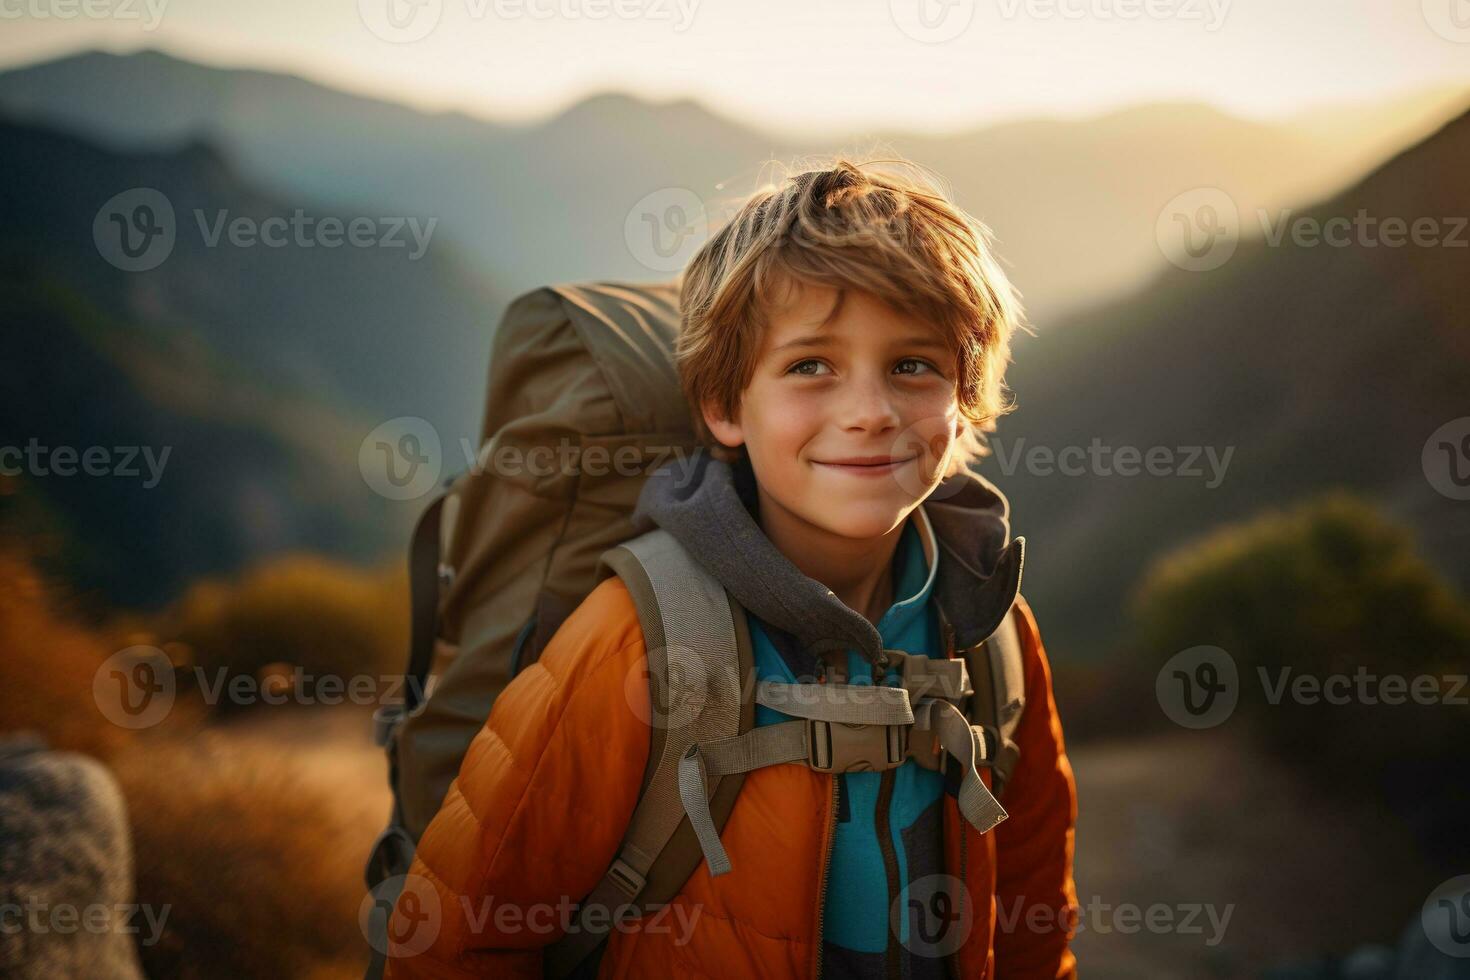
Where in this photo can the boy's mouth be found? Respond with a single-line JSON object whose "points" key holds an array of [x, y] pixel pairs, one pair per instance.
{"points": [[865, 465]]}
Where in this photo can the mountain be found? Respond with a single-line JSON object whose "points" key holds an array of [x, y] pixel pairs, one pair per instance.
{"points": [[201, 472], [1072, 202], [390, 325], [259, 368], [1315, 365]]}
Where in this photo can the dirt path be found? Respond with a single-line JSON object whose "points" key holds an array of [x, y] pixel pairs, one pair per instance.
{"points": [[1193, 820]]}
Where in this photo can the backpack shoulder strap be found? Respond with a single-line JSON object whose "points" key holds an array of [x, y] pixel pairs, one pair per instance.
{"points": [[699, 658], [392, 853], [998, 673]]}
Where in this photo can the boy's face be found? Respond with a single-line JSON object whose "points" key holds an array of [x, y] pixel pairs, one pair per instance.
{"points": [[849, 424]]}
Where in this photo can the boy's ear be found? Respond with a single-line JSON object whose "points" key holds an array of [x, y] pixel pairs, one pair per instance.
{"points": [[728, 432]]}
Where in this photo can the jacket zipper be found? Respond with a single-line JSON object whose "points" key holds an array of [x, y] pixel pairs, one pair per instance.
{"points": [[826, 868], [964, 896], [954, 958], [882, 820]]}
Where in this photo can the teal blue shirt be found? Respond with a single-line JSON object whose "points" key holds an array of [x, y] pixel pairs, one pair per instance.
{"points": [[860, 885]]}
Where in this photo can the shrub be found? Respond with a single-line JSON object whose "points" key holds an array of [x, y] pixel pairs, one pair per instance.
{"points": [[299, 611], [1330, 587]]}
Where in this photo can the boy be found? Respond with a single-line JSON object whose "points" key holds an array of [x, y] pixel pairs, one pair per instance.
{"points": [[843, 340]]}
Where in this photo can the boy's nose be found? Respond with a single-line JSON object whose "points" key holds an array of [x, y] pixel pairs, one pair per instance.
{"points": [[869, 407]]}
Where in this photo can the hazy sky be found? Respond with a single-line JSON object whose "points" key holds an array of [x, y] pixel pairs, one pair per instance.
{"points": [[796, 64]]}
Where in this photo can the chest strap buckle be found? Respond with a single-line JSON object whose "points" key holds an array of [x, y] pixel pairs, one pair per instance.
{"points": [[834, 747]]}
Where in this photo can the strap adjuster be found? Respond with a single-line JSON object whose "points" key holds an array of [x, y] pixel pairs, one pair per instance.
{"points": [[629, 881], [834, 747], [386, 720], [989, 744], [392, 855]]}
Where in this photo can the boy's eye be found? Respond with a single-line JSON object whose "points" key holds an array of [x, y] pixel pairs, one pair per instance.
{"points": [[809, 366], [912, 365]]}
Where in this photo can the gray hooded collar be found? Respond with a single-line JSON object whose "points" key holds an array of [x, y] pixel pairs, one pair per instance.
{"points": [[708, 506]]}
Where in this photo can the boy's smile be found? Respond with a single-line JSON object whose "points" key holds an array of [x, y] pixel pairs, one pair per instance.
{"points": [[850, 420], [867, 465]]}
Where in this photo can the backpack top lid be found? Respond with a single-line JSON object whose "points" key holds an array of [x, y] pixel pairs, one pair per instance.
{"points": [[627, 330]]}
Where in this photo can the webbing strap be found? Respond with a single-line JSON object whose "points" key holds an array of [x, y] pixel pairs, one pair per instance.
{"points": [[966, 745], [998, 674], [766, 745], [701, 701], [932, 677], [790, 741], [846, 704]]}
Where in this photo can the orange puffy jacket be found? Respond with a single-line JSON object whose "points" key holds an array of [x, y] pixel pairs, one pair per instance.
{"points": [[547, 788]]}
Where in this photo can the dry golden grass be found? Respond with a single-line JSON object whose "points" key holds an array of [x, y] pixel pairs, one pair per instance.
{"points": [[255, 844], [47, 665], [260, 865]]}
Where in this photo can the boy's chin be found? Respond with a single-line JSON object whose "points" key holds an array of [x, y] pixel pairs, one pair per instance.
{"points": [[859, 522]]}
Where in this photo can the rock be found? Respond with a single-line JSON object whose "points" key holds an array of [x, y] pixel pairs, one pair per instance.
{"points": [[66, 869]]}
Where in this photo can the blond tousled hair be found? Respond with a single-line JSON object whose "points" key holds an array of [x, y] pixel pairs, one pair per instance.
{"points": [[881, 226]]}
